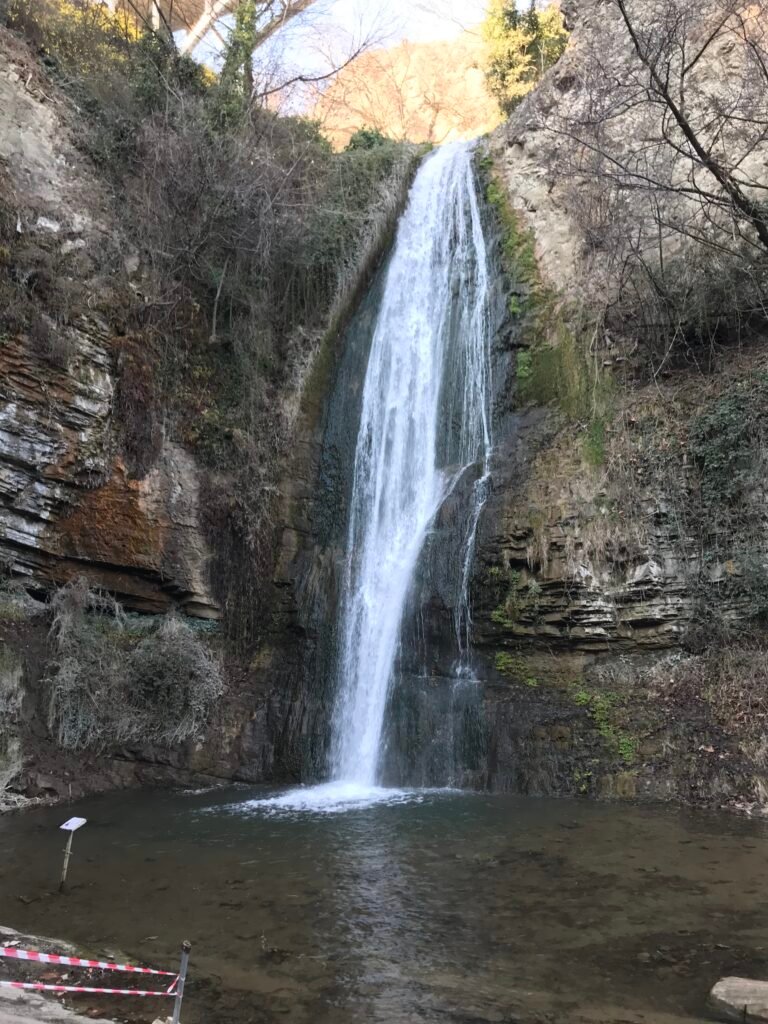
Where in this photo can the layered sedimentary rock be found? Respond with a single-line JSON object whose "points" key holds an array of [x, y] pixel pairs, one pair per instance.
{"points": [[541, 581], [67, 502]]}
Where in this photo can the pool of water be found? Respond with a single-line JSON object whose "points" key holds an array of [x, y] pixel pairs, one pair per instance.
{"points": [[429, 907]]}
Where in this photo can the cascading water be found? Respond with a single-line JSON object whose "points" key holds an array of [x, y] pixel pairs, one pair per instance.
{"points": [[425, 419], [424, 425]]}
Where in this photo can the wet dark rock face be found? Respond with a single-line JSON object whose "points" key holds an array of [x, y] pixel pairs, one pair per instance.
{"points": [[67, 504], [297, 659]]}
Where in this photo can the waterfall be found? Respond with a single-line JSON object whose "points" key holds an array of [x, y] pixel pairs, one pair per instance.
{"points": [[425, 420]]}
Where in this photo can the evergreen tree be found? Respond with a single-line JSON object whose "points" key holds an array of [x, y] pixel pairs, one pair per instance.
{"points": [[237, 69], [522, 45]]}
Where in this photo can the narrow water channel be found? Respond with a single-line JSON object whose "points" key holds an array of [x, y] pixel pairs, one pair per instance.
{"points": [[433, 907]]}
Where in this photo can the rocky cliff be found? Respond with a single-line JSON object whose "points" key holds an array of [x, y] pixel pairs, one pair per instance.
{"points": [[68, 504], [619, 582], [107, 494], [619, 591], [621, 565]]}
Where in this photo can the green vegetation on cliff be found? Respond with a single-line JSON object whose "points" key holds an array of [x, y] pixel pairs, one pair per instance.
{"points": [[605, 710], [556, 366], [107, 685], [516, 668], [521, 45], [517, 596]]}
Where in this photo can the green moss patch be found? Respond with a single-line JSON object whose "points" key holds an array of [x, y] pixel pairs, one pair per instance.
{"points": [[515, 667], [556, 366], [605, 710], [517, 596]]}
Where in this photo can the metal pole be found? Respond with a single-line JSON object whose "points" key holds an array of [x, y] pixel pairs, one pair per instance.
{"points": [[186, 946], [67, 852]]}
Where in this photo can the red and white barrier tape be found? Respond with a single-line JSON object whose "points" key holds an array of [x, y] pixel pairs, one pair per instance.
{"points": [[40, 987], [74, 961]]}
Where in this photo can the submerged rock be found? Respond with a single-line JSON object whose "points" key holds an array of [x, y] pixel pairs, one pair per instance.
{"points": [[740, 999]]}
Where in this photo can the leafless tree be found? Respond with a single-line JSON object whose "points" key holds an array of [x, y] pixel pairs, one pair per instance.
{"points": [[424, 92], [271, 16], [660, 121], [682, 111]]}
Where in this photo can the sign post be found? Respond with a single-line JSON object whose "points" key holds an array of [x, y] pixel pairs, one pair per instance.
{"points": [[71, 826], [186, 947]]}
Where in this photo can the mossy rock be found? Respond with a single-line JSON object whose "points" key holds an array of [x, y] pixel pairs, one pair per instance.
{"points": [[621, 786]]}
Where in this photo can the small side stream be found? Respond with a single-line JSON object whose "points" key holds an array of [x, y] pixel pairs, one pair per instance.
{"points": [[449, 907]]}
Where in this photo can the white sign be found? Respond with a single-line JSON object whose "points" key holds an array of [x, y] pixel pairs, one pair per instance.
{"points": [[73, 824]]}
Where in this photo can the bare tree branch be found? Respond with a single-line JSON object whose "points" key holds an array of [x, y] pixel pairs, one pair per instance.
{"points": [[750, 210], [275, 14]]}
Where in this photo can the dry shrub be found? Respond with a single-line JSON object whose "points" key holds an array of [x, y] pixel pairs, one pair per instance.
{"points": [[56, 345], [105, 689], [114, 67], [733, 681], [39, 297], [669, 297], [171, 682], [262, 223], [663, 168], [84, 687], [14, 302]]}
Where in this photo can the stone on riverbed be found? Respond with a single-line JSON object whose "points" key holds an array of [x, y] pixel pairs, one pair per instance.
{"points": [[740, 999]]}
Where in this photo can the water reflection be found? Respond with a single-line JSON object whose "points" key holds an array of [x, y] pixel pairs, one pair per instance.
{"points": [[378, 910]]}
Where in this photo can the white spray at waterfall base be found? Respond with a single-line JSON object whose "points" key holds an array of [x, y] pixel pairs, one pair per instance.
{"points": [[425, 419]]}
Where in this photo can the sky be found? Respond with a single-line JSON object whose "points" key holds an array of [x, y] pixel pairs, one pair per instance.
{"points": [[429, 19]]}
